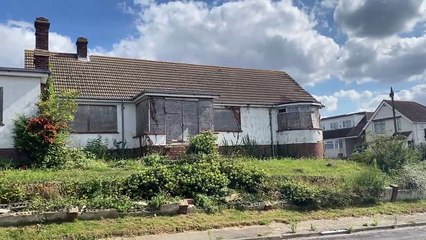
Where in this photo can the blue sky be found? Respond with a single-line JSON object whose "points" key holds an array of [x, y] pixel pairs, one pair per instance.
{"points": [[345, 53]]}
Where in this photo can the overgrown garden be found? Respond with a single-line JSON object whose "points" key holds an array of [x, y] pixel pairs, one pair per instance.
{"points": [[57, 177]]}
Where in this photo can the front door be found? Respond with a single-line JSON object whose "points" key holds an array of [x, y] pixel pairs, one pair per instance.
{"points": [[181, 119]]}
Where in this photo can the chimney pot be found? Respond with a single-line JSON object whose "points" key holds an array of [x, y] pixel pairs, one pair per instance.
{"points": [[82, 47]]}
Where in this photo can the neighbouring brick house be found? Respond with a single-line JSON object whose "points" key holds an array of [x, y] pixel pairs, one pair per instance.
{"points": [[161, 104]]}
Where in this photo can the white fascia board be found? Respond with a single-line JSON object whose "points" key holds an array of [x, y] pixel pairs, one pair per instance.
{"points": [[43, 76]]}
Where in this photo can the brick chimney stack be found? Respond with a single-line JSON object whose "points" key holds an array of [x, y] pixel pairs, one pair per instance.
{"points": [[41, 52], [82, 47]]}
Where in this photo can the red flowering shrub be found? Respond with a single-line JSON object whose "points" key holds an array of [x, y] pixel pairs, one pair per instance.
{"points": [[44, 136], [42, 128]]}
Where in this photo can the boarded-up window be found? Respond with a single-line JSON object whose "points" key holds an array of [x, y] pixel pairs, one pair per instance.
{"points": [[95, 119], [293, 118], [1, 105], [227, 119]]}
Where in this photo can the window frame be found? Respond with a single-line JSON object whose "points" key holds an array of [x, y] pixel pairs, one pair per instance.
{"points": [[114, 131], [335, 124], [298, 112], [328, 144], [381, 127], [348, 123], [237, 119], [398, 124]]}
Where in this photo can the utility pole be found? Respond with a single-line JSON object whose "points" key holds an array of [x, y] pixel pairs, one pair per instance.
{"points": [[393, 111]]}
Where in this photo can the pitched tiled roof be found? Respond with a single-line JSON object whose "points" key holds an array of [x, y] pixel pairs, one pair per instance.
{"points": [[412, 110], [348, 132], [120, 78]]}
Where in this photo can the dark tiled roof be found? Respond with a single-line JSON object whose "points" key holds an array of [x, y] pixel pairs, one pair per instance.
{"points": [[120, 78], [348, 132], [412, 110]]}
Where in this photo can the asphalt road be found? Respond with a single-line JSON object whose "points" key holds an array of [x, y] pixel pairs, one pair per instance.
{"points": [[392, 234]]}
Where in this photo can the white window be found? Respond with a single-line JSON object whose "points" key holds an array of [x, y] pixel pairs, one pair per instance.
{"points": [[347, 124], [329, 145], [379, 127], [338, 144], [334, 125]]}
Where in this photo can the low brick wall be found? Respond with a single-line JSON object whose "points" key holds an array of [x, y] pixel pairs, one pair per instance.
{"points": [[315, 150]]}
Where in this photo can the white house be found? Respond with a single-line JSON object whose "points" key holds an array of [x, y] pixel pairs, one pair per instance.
{"points": [[161, 104], [410, 118], [19, 91], [342, 133]]}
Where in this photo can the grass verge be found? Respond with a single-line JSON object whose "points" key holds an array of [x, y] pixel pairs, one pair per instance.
{"points": [[130, 226]]}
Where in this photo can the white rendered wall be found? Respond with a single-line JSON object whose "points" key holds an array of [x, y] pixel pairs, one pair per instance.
{"points": [[299, 136], [80, 139], [255, 124], [385, 111], [355, 119], [20, 94]]}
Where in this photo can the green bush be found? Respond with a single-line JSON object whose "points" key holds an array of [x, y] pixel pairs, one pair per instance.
{"points": [[159, 199], [201, 177], [44, 136], [203, 143], [152, 159], [413, 176], [367, 186], [151, 181], [387, 153], [12, 193], [98, 147], [250, 179], [206, 203], [421, 151], [300, 194]]}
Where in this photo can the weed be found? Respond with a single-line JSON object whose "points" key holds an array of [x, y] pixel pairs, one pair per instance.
{"points": [[313, 228], [293, 226]]}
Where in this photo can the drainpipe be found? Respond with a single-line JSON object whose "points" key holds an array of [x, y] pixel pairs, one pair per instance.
{"points": [[272, 132], [122, 126]]}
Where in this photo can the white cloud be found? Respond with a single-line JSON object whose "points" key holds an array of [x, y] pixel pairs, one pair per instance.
{"points": [[329, 102], [368, 100], [392, 59], [16, 36], [253, 33]]}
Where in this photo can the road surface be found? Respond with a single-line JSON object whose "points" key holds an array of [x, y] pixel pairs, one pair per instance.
{"points": [[391, 234]]}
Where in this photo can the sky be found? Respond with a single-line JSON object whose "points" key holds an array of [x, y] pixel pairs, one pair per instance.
{"points": [[347, 54]]}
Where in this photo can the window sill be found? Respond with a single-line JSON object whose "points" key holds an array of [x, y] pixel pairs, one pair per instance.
{"points": [[287, 130], [225, 131]]}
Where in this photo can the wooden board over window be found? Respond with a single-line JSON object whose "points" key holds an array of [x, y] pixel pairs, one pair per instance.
{"points": [[227, 119], [95, 119], [295, 118]]}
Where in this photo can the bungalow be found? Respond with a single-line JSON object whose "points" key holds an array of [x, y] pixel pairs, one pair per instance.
{"points": [[161, 104], [410, 121]]}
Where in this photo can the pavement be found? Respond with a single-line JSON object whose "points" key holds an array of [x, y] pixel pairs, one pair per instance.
{"points": [[411, 226]]}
